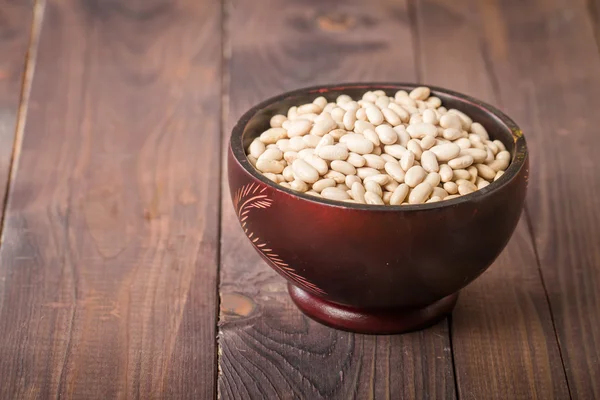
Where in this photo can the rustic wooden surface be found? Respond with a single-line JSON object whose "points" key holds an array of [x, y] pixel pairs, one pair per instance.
{"points": [[124, 273]]}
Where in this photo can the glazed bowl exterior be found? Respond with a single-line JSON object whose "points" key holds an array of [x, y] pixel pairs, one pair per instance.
{"points": [[376, 257]]}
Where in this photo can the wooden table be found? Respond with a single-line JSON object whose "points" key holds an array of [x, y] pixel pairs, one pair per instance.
{"points": [[119, 241]]}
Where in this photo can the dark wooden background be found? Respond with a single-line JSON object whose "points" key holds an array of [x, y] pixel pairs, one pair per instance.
{"points": [[124, 273]]}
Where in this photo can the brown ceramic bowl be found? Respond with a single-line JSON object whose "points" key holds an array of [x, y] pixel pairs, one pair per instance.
{"points": [[376, 269]]}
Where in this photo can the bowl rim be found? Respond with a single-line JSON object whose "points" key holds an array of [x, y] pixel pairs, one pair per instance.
{"points": [[516, 165]]}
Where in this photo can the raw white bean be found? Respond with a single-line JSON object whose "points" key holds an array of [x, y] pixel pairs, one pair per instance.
{"points": [[485, 171], [349, 119], [403, 136], [387, 158], [415, 147], [304, 171], [323, 126], [399, 194], [374, 115], [420, 93], [446, 173], [311, 140], [463, 143], [481, 183], [461, 174], [430, 117], [272, 135], [356, 160], [290, 156], [395, 171], [271, 154], [337, 114], [365, 172], [433, 178], [433, 199], [296, 143], [498, 165], [503, 155], [358, 192], [407, 160], [382, 101], [361, 126], [299, 127], [361, 115], [446, 152], [338, 133], [277, 120], [466, 188], [271, 176], [343, 167], [391, 116], [333, 193], [450, 121], [326, 140], [473, 173], [452, 134], [299, 185], [286, 185], [461, 162], [420, 193], [317, 163], [498, 175], [270, 165], [479, 129], [372, 136], [372, 198], [343, 98], [381, 179], [400, 112], [500, 145], [343, 187], [351, 179], [394, 150], [309, 108], [465, 119], [439, 192], [429, 162], [427, 142], [305, 153], [374, 161], [334, 152], [387, 135], [358, 143], [288, 173], [373, 187], [391, 186], [451, 187], [338, 177], [257, 148], [420, 130], [414, 176]]}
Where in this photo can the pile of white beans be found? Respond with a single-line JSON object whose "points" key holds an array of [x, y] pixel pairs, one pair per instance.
{"points": [[406, 149]]}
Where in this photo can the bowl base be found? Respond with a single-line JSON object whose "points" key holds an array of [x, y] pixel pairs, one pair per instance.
{"points": [[370, 321]]}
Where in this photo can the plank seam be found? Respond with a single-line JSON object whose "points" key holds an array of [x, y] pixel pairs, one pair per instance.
{"points": [[225, 57], [416, 36], [26, 83], [594, 13], [539, 268]]}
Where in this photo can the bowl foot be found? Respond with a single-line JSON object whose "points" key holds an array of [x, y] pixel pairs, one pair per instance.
{"points": [[371, 321]]}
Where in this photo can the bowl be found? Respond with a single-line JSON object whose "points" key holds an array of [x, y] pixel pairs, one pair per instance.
{"points": [[376, 269]]}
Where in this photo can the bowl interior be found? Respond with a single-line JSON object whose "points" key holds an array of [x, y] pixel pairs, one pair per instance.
{"points": [[498, 125]]}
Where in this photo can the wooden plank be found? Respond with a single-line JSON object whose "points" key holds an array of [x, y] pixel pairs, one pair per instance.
{"points": [[536, 60], [268, 348], [16, 20], [108, 266], [555, 103]]}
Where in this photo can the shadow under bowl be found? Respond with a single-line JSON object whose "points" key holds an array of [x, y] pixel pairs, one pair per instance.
{"points": [[376, 269]]}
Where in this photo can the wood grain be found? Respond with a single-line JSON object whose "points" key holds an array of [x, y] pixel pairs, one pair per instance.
{"points": [[108, 266], [504, 342], [554, 80], [16, 20], [268, 348]]}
